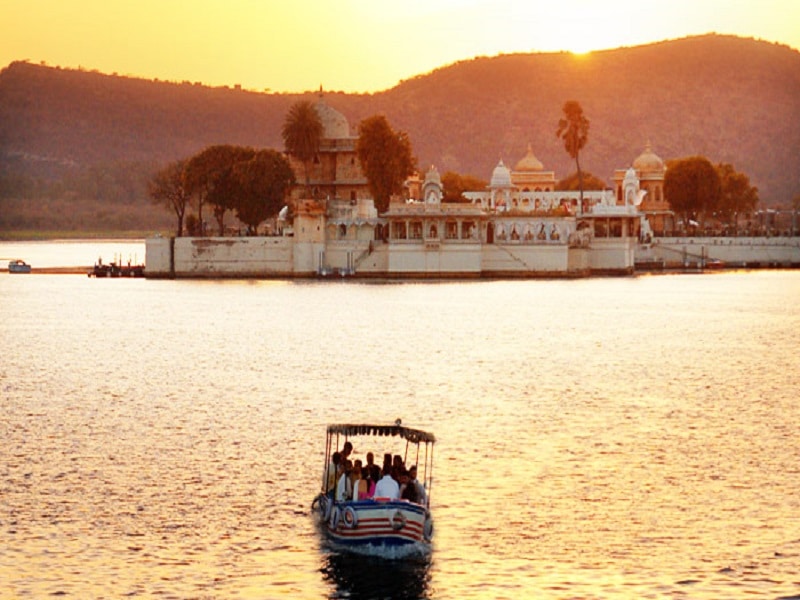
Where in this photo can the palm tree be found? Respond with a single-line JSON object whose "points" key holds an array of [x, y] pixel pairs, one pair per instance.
{"points": [[574, 130], [302, 132]]}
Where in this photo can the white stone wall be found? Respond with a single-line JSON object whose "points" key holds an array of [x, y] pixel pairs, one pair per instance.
{"points": [[732, 251], [511, 259], [434, 258], [157, 261], [221, 257], [612, 255]]}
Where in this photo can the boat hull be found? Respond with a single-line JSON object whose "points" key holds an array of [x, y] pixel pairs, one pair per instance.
{"points": [[390, 528], [18, 266]]}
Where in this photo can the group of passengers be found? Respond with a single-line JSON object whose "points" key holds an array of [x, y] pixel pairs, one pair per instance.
{"points": [[354, 480]]}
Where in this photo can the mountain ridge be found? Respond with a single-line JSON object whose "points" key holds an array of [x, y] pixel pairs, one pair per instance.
{"points": [[731, 99]]}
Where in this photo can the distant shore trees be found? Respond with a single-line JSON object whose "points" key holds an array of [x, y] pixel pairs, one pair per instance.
{"points": [[385, 157], [573, 128], [253, 183]]}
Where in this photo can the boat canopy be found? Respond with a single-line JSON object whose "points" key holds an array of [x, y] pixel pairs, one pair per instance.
{"points": [[415, 436]]}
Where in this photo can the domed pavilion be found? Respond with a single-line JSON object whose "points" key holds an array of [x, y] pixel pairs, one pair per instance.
{"points": [[650, 170]]}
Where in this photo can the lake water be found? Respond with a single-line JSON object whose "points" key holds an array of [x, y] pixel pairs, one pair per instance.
{"points": [[598, 438]]}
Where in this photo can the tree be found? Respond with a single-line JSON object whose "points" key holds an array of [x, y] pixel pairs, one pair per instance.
{"points": [[572, 183], [302, 131], [262, 182], [736, 194], [223, 194], [573, 128], [692, 187], [385, 157], [167, 187], [207, 178], [455, 185]]}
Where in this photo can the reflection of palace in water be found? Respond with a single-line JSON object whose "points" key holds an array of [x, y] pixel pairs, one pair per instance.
{"points": [[519, 226]]}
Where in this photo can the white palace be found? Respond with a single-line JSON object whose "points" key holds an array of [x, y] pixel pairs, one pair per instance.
{"points": [[519, 226]]}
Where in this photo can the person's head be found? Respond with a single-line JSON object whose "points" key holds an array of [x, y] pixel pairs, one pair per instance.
{"points": [[403, 476], [375, 472], [347, 450], [370, 458], [398, 461], [337, 458], [412, 472]]}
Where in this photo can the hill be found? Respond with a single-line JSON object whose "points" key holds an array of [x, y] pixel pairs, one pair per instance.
{"points": [[731, 99]]}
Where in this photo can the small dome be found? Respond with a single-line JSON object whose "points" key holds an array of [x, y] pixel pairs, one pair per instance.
{"points": [[501, 176], [529, 162], [432, 176], [334, 123], [648, 162]]}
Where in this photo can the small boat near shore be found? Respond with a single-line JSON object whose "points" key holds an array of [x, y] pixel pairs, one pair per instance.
{"points": [[116, 270], [386, 526], [18, 266]]}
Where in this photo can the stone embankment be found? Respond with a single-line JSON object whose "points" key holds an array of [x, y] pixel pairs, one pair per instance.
{"points": [[725, 252]]}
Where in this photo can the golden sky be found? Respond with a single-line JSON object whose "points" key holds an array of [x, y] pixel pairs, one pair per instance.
{"points": [[351, 45]]}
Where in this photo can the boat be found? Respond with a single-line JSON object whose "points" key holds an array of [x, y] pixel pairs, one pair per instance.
{"points": [[18, 266], [388, 527], [116, 270]]}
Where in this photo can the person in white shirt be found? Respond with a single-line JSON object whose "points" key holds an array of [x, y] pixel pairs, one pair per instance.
{"points": [[344, 489], [387, 487]]}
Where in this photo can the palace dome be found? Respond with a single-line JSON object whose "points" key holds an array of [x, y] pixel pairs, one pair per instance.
{"points": [[648, 162], [501, 176], [334, 123], [529, 162]]}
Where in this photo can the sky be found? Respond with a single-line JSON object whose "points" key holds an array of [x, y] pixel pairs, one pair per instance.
{"points": [[351, 45]]}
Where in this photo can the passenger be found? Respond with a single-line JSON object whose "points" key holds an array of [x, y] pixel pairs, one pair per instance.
{"points": [[408, 491], [387, 461], [422, 497], [360, 484], [347, 450], [344, 489], [398, 464], [330, 473], [374, 478], [370, 461], [387, 487]]}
